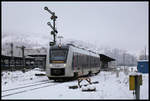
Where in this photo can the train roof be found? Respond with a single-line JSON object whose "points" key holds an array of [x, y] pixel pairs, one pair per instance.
{"points": [[59, 46], [83, 50], [76, 48]]}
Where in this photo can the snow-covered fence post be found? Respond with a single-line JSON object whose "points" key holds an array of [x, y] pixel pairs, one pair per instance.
{"points": [[131, 69], [117, 72], [126, 71]]}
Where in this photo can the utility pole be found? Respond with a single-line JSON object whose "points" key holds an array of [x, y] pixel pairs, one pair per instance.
{"points": [[11, 44], [145, 53], [53, 17], [124, 60], [137, 87], [11, 49], [22, 48], [132, 60], [11, 61], [12, 57]]}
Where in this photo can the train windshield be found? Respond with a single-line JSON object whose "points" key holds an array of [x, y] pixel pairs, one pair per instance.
{"points": [[58, 54]]}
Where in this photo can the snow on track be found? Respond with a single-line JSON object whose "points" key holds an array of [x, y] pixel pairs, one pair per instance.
{"points": [[26, 88], [109, 87]]}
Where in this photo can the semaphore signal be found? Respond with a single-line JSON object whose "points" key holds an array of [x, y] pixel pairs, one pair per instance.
{"points": [[53, 17]]}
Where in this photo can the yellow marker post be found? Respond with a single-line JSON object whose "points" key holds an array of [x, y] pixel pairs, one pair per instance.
{"points": [[132, 82]]}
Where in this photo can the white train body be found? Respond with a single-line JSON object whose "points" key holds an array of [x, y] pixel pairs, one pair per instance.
{"points": [[69, 61]]}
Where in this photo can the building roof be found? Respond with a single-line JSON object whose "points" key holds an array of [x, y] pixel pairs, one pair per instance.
{"points": [[143, 60], [105, 58], [38, 55], [9, 57]]}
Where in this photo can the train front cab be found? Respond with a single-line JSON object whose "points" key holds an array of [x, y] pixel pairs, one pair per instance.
{"points": [[58, 63]]}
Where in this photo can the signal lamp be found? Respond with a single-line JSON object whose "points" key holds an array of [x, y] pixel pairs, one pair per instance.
{"points": [[59, 45], [46, 8]]}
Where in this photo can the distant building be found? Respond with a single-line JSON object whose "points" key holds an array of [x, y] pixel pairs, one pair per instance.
{"points": [[40, 60], [16, 63], [143, 66]]}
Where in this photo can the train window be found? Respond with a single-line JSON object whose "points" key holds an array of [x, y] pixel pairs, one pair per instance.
{"points": [[75, 61], [87, 61], [58, 54], [78, 59]]}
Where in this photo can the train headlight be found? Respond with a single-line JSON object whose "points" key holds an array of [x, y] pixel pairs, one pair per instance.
{"points": [[64, 65], [50, 65]]}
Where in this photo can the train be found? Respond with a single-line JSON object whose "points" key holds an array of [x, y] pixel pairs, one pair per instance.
{"points": [[69, 61]]}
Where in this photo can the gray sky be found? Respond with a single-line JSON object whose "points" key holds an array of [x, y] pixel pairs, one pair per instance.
{"points": [[122, 25]]}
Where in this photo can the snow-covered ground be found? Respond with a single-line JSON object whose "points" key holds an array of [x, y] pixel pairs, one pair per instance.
{"points": [[110, 86]]}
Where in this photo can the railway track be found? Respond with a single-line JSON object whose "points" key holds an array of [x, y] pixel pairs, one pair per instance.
{"points": [[35, 82], [22, 89]]}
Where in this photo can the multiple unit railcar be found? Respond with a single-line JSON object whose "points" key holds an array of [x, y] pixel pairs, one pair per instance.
{"points": [[69, 61]]}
